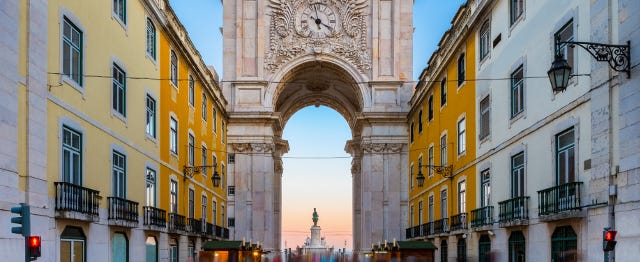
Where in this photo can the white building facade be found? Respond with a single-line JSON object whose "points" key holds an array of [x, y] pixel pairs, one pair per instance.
{"points": [[549, 162]]}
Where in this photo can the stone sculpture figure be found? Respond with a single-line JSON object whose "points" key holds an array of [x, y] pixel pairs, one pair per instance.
{"points": [[315, 217]]}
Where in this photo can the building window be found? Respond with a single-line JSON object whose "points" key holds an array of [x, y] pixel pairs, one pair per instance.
{"points": [[214, 160], [214, 210], [119, 247], [565, 34], [71, 156], [72, 244], [151, 246], [222, 130], [485, 39], [191, 251], [444, 252], [204, 210], [462, 250], [420, 212], [173, 135], [191, 150], [231, 191], [173, 197], [430, 159], [443, 92], [462, 197], [485, 188], [192, 91], [214, 114], [517, 175], [222, 216], [412, 222], [231, 158], [151, 117], [151, 39], [516, 8], [564, 245], [431, 208], [232, 222], [174, 68], [411, 131], [565, 157], [443, 204], [420, 122], [484, 246], [461, 69], [517, 247], [191, 203], [420, 163], [120, 10], [150, 188], [204, 106], [430, 113], [462, 136], [204, 160], [411, 175], [173, 250], [119, 91], [517, 92], [119, 174], [485, 117], [72, 51], [443, 150]]}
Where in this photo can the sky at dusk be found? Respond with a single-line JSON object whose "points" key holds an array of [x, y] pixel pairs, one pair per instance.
{"points": [[317, 171]]}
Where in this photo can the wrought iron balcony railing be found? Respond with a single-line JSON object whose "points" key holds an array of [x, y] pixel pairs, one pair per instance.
{"points": [[414, 232], [123, 209], [441, 226], [459, 222], [154, 217], [482, 216], [176, 222], [560, 198], [225, 233], [427, 229], [219, 231], [71, 197], [514, 209], [194, 225], [209, 231]]}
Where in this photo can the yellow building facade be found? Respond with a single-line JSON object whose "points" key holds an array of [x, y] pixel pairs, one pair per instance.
{"points": [[118, 188], [442, 152]]}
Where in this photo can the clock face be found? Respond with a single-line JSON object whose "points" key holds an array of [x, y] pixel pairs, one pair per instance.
{"points": [[317, 21]]}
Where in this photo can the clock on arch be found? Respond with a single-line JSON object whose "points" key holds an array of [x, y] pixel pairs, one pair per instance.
{"points": [[317, 19]]}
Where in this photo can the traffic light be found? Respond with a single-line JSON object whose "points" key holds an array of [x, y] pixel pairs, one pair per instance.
{"points": [[23, 220], [609, 240], [34, 244]]}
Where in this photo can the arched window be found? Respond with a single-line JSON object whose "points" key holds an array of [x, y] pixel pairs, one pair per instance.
{"points": [[119, 247], [564, 245], [462, 250], [444, 252], [152, 249], [72, 246], [516, 247], [484, 249]]}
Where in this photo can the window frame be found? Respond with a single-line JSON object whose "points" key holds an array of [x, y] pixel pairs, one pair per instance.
{"points": [[150, 192], [567, 50], [517, 245], [518, 175], [462, 136], [444, 212], [485, 187], [151, 122], [173, 135], [191, 202], [192, 91], [173, 68], [73, 150], [570, 174], [431, 206], [173, 196], [119, 174], [485, 117], [517, 86], [430, 107], [443, 150], [119, 11], [204, 106], [430, 159], [119, 90], [205, 160], [151, 39], [443, 92], [191, 153], [516, 10], [462, 69], [67, 74], [462, 197], [485, 40], [420, 122], [113, 246]]}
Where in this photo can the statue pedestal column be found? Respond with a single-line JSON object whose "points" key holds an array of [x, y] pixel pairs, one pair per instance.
{"points": [[316, 238]]}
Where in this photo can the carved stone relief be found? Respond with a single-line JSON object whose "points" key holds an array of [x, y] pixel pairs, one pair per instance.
{"points": [[382, 147], [339, 29]]}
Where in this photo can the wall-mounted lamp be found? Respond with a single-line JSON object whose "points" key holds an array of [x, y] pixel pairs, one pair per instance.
{"points": [[445, 171], [616, 55], [189, 171]]}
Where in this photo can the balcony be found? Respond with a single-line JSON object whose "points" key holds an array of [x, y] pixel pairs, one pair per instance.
{"points": [[459, 222], [225, 233], [427, 229], [176, 222], [194, 226], [514, 212], [560, 202], [219, 231], [441, 226], [482, 217], [414, 232], [209, 230], [123, 212], [76, 202], [154, 217]]}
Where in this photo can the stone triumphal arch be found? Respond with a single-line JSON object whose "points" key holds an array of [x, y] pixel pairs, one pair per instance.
{"points": [[354, 56]]}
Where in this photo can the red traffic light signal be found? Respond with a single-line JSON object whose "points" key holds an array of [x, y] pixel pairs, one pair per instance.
{"points": [[609, 240], [34, 244]]}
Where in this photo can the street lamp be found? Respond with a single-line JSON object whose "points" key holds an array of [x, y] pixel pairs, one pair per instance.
{"points": [[189, 171], [445, 171], [616, 55]]}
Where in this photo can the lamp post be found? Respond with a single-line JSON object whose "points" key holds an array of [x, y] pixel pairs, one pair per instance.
{"points": [[445, 171], [616, 55], [189, 171]]}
